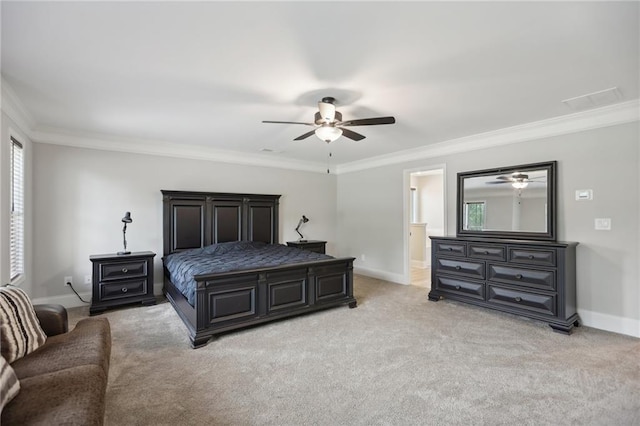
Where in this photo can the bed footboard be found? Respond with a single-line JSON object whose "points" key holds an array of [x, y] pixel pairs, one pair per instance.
{"points": [[235, 300]]}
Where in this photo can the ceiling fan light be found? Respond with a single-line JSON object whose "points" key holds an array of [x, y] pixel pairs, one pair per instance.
{"points": [[328, 133], [519, 184]]}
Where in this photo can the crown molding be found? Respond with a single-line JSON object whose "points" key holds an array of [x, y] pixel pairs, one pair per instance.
{"points": [[620, 113], [168, 149], [611, 115], [14, 108]]}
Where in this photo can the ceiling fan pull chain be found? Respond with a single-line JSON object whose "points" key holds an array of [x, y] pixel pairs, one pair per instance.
{"points": [[329, 164]]}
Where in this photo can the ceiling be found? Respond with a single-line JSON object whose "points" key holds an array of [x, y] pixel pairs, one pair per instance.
{"points": [[207, 73]]}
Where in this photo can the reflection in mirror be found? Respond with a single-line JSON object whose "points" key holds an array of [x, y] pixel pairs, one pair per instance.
{"points": [[514, 202]]}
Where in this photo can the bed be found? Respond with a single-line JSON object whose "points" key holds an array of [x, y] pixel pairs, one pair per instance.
{"points": [[204, 227]]}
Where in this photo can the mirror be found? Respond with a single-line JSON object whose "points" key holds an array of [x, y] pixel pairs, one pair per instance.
{"points": [[508, 202]]}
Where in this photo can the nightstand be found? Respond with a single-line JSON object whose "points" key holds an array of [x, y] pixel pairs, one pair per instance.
{"points": [[122, 279], [311, 245]]}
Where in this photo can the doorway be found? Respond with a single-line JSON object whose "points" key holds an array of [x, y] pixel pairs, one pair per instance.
{"points": [[425, 206]]}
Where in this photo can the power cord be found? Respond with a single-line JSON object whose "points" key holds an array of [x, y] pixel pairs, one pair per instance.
{"points": [[74, 290]]}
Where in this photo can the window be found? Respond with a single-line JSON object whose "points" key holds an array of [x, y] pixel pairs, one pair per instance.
{"points": [[16, 226], [474, 215]]}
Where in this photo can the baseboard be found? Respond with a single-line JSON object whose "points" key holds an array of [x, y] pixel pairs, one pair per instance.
{"points": [[381, 275], [422, 264], [72, 301], [616, 324], [67, 300]]}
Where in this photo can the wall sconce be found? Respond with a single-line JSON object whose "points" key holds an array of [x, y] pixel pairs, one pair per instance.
{"points": [[126, 219], [302, 220]]}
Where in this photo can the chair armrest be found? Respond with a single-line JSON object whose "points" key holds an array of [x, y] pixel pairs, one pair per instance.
{"points": [[53, 318]]}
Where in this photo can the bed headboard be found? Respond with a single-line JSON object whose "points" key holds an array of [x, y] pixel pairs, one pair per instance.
{"points": [[198, 219]]}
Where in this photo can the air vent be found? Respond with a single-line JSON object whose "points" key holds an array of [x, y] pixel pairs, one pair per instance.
{"points": [[595, 99]]}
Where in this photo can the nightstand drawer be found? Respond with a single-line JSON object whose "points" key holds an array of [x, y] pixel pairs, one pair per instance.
{"points": [[121, 279], [123, 289], [120, 270], [310, 245]]}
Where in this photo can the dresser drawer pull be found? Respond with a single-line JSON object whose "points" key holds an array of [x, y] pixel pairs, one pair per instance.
{"points": [[518, 299], [519, 276], [457, 267], [486, 252], [450, 249], [457, 287], [125, 270], [530, 256], [124, 289]]}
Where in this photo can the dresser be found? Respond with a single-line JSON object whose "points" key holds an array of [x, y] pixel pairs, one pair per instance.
{"points": [[535, 279], [311, 245], [121, 279]]}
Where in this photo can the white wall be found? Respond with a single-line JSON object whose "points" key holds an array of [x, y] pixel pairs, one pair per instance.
{"points": [[81, 194], [605, 160], [431, 200]]}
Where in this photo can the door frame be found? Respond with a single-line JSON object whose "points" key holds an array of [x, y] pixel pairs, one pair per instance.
{"points": [[406, 211]]}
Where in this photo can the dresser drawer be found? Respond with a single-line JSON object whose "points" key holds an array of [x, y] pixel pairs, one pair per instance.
{"points": [[536, 278], [532, 256], [488, 251], [460, 267], [123, 289], [451, 249], [527, 301], [119, 270], [461, 287]]}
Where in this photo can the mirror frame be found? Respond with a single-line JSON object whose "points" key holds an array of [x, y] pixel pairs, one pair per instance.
{"points": [[549, 235]]}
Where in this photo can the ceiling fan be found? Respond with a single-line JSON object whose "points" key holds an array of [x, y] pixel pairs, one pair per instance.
{"points": [[329, 125], [517, 180]]}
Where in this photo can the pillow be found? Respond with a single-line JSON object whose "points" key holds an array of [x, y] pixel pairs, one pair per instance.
{"points": [[9, 383], [20, 331]]}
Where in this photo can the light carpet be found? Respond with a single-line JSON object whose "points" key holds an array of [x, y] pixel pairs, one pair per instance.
{"points": [[397, 359]]}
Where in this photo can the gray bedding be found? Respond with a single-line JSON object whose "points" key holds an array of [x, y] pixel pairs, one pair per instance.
{"points": [[228, 257]]}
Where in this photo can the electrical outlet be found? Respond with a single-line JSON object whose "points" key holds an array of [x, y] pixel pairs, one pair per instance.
{"points": [[87, 279], [603, 224], [67, 281]]}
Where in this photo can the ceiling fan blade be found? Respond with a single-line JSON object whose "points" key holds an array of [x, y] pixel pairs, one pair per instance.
{"points": [[369, 121], [288, 122], [306, 135], [351, 134], [497, 182]]}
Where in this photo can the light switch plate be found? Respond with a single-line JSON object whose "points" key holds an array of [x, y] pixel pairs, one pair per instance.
{"points": [[584, 194], [603, 224]]}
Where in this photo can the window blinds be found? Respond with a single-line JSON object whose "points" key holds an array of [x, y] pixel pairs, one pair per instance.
{"points": [[16, 232]]}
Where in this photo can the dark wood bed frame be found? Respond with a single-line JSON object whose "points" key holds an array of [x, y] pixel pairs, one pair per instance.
{"points": [[233, 300]]}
